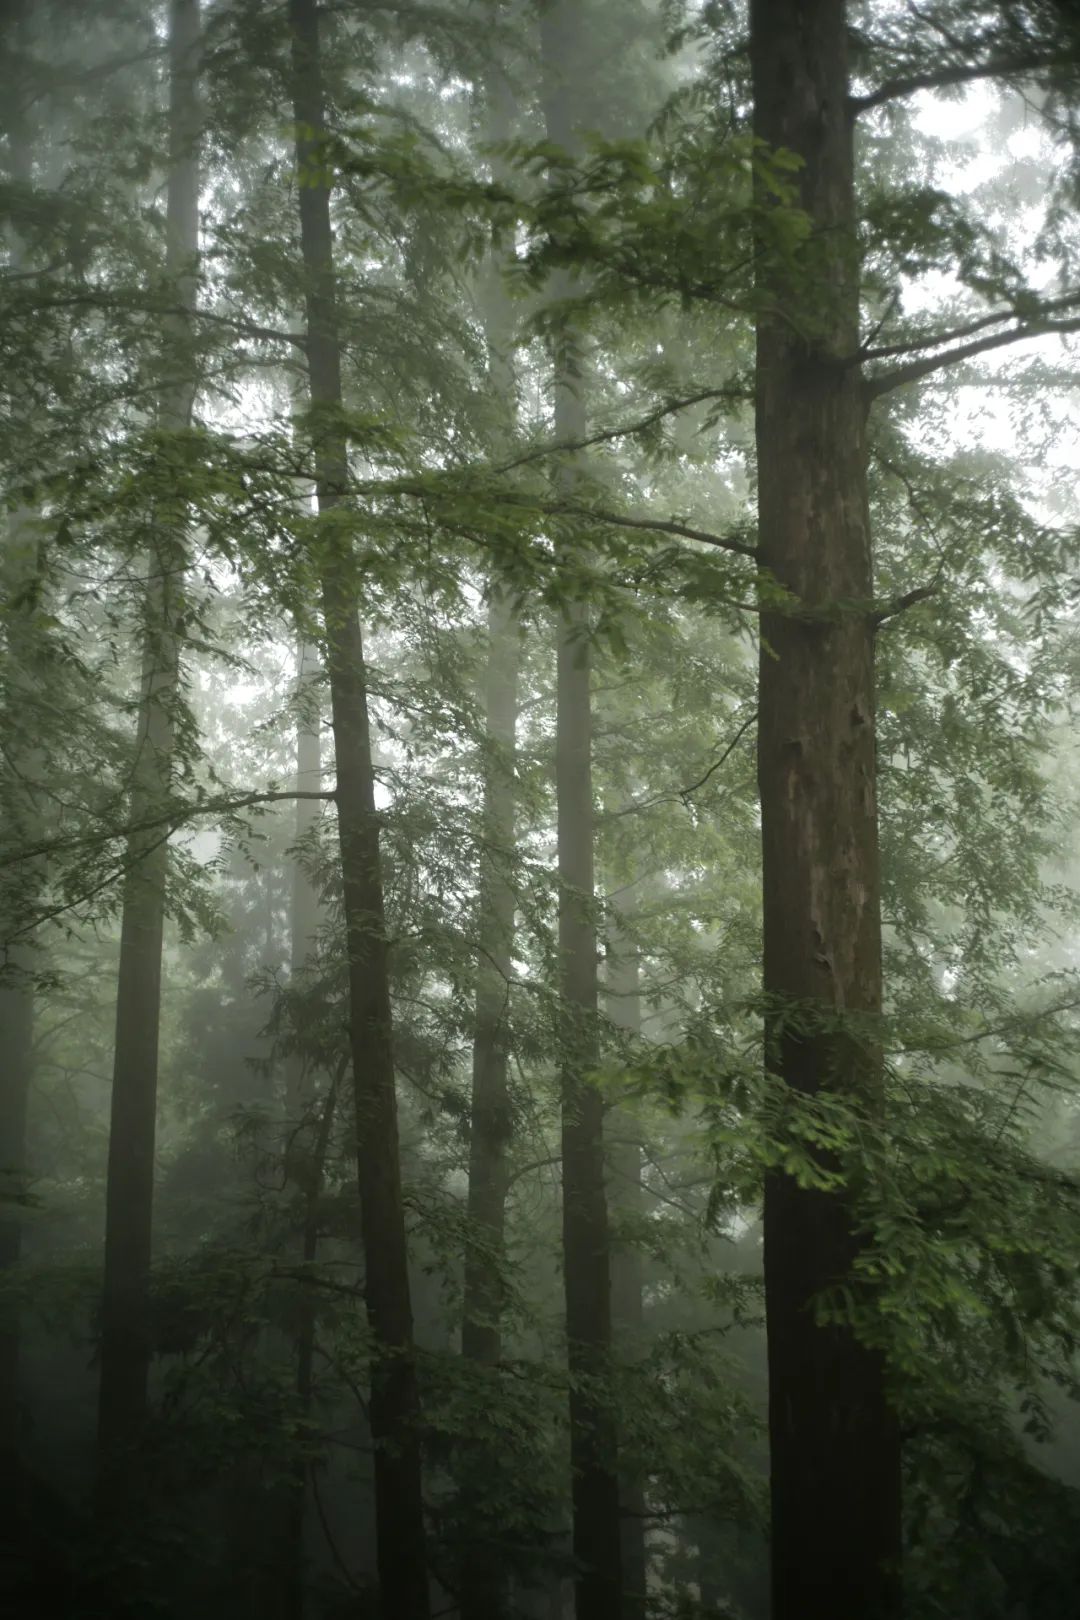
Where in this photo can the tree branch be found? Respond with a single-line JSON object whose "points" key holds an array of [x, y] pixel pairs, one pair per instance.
{"points": [[1002, 67], [95, 298], [900, 604], [900, 376], [686, 793], [655, 525], [170, 818], [1050, 306], [669, 408]]}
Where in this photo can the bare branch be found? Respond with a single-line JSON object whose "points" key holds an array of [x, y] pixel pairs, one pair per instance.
{"points": [[900, 604], [995, 67], [900, 376], [655, 525], [936, 340], [686, 793]]}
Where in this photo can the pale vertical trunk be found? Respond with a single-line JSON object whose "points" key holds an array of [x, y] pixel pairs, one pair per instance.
{"points": [[835, 1464], [125, 1351], [304, 910], [483, 1593], [490, 1112], [586, 1249], [394, 1400]]}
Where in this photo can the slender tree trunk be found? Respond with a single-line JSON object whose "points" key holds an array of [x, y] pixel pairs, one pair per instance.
{"points": [[294, 1592], [307, 1129], [125, 1352], [834, 1442], [394, 1402], [21, 565], [586, 1248], [624, 1160], [483, 1592], [481, 1332], [490, 1103], [304, 909]]}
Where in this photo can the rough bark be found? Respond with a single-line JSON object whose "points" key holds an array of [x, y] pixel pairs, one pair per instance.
{"points": [[394, 1404], [125, 1351], [834, 1443], [586, 1246], [626, 1196]]}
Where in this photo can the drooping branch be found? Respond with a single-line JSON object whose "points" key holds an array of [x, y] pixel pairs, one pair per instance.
{"points": [[687, 793], [627, 430], [172, 818], [99, 298]]}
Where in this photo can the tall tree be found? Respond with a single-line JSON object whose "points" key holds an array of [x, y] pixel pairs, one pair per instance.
{"points": [[489, 1112], [21, 567], [394, 1401], [307, 1128], [623, 988], [586, 1245], [835, 1447], [125, 1350]]}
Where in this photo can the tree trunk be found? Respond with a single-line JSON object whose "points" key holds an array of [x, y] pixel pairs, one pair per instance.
{"points": [[481, 1333], [483, 1592], [304, 908], [394, 1402], [624, 1160], [490, 1104], [125, 1351], [21, 564], [307, 1131], [586, 1249], [834, 1441]]}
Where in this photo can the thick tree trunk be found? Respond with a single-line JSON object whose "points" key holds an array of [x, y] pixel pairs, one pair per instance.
{"points": [[125, 1352], [834, 1442], [394, 1402], [586, 1246], [627, 1313]]}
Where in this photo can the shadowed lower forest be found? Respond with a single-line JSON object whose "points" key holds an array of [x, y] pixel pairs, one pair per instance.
{"points": [[540, 809]]}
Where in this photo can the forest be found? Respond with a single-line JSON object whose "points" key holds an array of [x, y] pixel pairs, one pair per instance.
{"points": [[539, 809]]}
